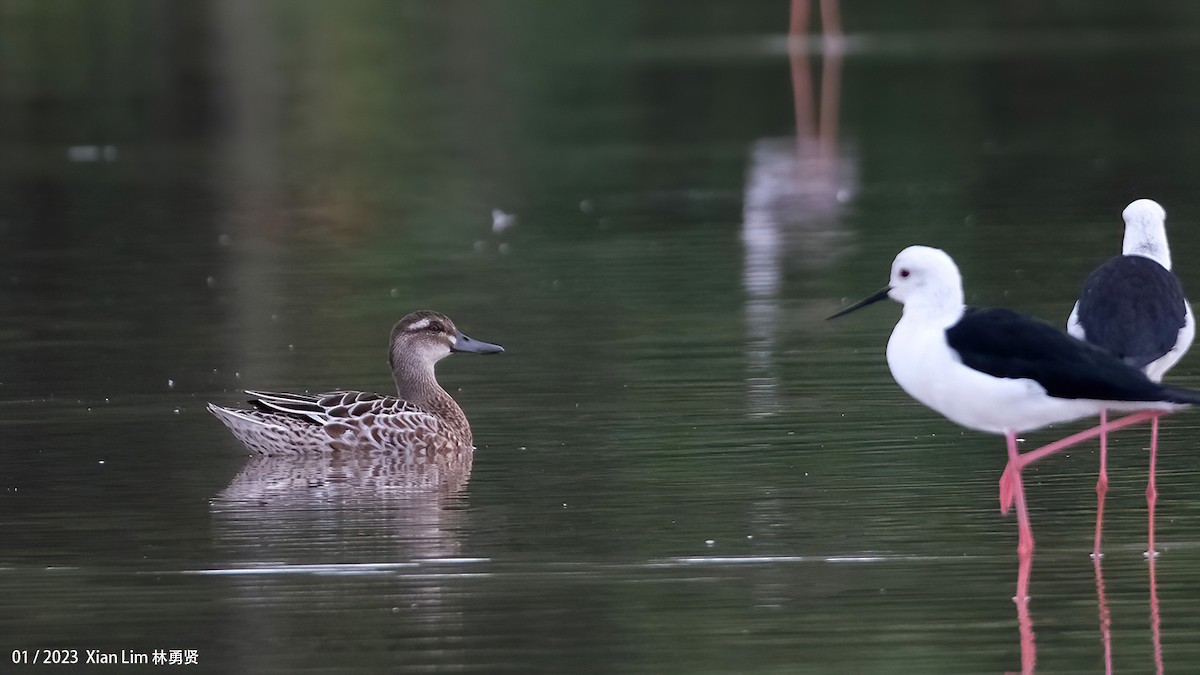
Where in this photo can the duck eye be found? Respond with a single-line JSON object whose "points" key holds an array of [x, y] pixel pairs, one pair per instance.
{"points": [[436, 327], [904, 274]]}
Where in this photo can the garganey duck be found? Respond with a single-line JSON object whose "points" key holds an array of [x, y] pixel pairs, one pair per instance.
{"points": [[423, 418]]}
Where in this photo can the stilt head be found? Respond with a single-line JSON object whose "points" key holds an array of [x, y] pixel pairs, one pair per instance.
{"points": [[927, 280], [1146, 231], [924, 280]]}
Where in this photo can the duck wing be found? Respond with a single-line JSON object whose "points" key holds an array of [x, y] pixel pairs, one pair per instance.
{"points": [[336, 406]]}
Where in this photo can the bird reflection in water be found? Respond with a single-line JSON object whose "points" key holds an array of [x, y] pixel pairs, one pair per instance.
{"points": [[287, 500], [1155, 620], [796, 190], [1105, 617], [1025, 626], [384, 525], [1028, 637], [1105, 614]]}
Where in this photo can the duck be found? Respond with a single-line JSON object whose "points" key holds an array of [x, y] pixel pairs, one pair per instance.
{"points": [[422, 418]]}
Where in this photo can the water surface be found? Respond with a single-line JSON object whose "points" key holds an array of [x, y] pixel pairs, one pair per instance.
{"points": [[681, 466]]}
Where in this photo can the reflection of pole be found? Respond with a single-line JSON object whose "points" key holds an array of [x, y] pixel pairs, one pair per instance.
{"points": [[1105, 615]]}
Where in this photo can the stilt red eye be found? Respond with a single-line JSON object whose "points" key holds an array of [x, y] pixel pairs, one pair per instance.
{"points": [[904, 274]]}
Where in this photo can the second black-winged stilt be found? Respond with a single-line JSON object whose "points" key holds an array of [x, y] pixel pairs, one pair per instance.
{"points": [[1134, 306]]}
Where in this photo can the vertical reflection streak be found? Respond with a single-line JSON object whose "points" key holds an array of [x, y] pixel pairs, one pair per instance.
{"points": [[795, 192]]}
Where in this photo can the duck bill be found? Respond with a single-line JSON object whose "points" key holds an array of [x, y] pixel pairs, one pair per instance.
{"points": [[470, 345], [881, 294]]}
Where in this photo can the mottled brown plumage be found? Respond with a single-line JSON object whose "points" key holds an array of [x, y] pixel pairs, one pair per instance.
{"points": [[423, 417]]}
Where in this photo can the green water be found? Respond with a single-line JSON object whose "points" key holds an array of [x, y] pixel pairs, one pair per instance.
{"points": [[681, 466]]}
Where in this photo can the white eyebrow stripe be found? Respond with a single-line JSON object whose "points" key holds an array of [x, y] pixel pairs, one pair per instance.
{"points": [[423, 323]]}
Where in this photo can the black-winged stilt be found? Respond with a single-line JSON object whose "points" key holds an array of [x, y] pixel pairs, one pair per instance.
{"points": [[1133, 306], [998, 371]]}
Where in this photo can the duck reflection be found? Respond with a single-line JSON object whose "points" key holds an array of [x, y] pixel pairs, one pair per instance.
{"points": [[400, 506], [375, 530], [796, 191]]}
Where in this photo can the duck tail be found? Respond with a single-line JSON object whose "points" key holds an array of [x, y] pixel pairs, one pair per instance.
{"points": [[248, 427]]}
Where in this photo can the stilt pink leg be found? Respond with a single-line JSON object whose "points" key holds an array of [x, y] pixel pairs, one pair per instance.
{"points": [[1105, 616], [1151, 490], [1007, 486], [1007, 478], [1024, 531], [1101, 483], [1046, 450]]}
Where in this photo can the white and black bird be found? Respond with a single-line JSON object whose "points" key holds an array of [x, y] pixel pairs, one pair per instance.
{"points": [[1002, 372], [1134, 306]]}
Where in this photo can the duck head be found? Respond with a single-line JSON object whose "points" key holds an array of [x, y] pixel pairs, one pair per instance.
{"points": [[430, 337]]}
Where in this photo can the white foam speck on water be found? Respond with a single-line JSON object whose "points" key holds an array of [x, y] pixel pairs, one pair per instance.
{"points": [[502, 221]]}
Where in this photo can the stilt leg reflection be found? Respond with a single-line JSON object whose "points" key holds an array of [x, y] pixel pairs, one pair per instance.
{"points": [[1025, 621], [1105, 616], [1155, 621]]}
